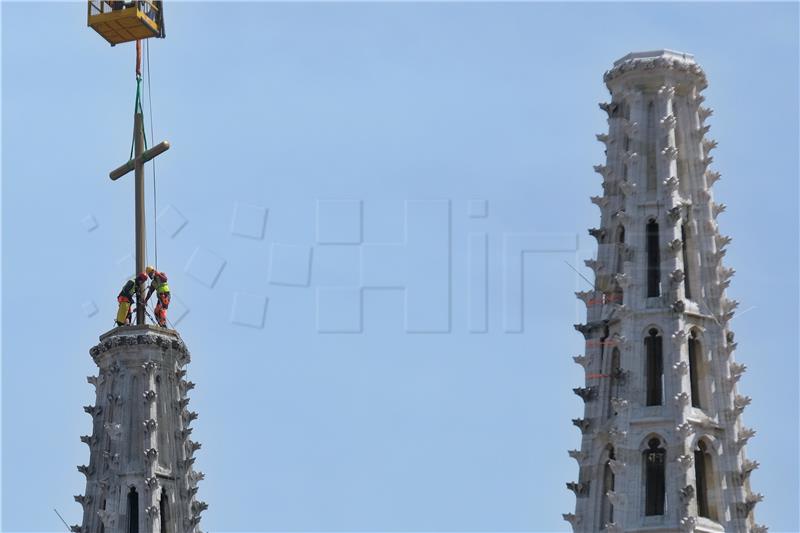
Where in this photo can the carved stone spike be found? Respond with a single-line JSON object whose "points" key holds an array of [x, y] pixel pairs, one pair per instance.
{"points": [[93, 410], [687, 493], [722, 241], [182, 403], [628, 188], [149, 425], [151, 454], [602, 137], [114, 430], [668, 122], [729, 305], [192, 446], [582, 360], [587, 394], [619, 404], [704, 112], [92, 380], [688, 523], [149, 367], [577, 455], [675, 245], [600, 201], [702, 130], [580, 489], [716, 209], [188, 416], [618, 467], [149, 395], [686, 460], [746, 507], [681, 368], [572, 518], [684, 430], [666, 90], [180, 374], [671, 184], [609, 107], [745, 434], [195, 477], [602, 170], [712, 177], [677, 275], [740, 402], [151, 482], [186, 385], [697, 99], [623, 280], [760, 528], [83, 500], [85, 470], [187, 463], [709, 144], [682, 399], [582, 424], [617, 499], [183, 434], [90, 441], [594, 264], [670, 153], [679, 337], [598, 234], [617, 435], [75, 528], [726, 273], [198, 507], [674, 214], [622, 216], [585, 329], [679, 306], [585, 296]]}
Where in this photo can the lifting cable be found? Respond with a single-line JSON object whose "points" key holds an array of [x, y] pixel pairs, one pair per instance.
{"points": [[153, 162]]}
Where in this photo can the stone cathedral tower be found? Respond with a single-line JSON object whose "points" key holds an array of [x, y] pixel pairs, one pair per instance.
{"points": [[140, 477], [663, 444]]}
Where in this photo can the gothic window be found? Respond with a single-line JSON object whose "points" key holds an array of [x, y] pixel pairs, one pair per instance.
{"points": [[651, 147], [653, 260], [687, 285], [619, 261], [704, 476], [163, 507], [613, 386], [654, 368], [162, 428], [133, 511], [606, 509], [695, 369], [654, 458]]}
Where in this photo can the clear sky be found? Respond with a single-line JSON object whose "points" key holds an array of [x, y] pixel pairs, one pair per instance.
{"points": [[309, 142]]}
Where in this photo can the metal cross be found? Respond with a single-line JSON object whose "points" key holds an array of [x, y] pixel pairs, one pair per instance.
{"points": [[141, 156]]}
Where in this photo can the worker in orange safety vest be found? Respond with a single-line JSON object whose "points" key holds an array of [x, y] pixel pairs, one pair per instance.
{"points": [[158, 284]]}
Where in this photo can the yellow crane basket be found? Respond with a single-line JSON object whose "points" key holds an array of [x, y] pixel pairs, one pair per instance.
{"points": [[121, 22]]}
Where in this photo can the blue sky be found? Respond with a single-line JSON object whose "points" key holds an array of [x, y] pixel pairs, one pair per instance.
{"points": [[288, 120]]}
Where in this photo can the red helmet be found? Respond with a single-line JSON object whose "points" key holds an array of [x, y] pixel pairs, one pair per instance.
{"points": [[141, 278]]}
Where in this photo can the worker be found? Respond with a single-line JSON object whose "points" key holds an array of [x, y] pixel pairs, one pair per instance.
{"points": [[158, 284], [125, 298]]}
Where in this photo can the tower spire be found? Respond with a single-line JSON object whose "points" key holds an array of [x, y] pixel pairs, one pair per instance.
{"points": [[662, 440]]}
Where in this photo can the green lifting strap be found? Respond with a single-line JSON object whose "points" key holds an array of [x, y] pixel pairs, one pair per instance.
{"points": [[137, 108]]}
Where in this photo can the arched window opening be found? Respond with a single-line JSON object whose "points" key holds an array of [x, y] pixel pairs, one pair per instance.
{"points": [[651, 147], [695, 369], [687, 286], [163, 508], [133, 511], [654, 478], [619, 243], [654, 363], [653, 260], [613, 384], [606, 509], [102, 525], [704, 476]]}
